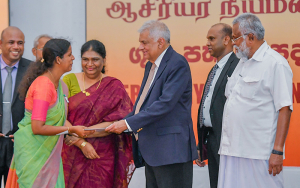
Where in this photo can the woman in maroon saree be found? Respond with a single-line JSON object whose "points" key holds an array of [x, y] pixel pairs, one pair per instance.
{"points": [[102, 159]]}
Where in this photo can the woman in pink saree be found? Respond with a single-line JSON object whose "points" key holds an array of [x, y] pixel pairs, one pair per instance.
{"points": [[96, 100]]}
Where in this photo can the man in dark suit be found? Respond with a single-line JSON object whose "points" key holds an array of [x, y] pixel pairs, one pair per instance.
{"points": [[13, 67], [161, 118], [213, 99]]}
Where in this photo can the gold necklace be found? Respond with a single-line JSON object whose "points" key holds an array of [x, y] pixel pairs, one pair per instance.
{"points": [[84, 91], [53, 79]]}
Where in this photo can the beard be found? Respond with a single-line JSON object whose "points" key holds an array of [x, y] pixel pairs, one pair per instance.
{"points": [[243, 51]]}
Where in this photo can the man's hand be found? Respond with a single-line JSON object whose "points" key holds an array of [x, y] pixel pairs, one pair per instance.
{"points": [[275, 164], [10, 136], [198, 161], [117, 127]]}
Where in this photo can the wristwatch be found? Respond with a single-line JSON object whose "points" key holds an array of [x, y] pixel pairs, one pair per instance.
{"points": [[277, 152]]}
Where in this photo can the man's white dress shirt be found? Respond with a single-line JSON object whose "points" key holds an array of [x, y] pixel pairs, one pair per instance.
{"points": [[207, 102], [256, 91]]}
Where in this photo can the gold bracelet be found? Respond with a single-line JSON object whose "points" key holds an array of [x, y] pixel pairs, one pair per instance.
{"points": [[83, 144]]}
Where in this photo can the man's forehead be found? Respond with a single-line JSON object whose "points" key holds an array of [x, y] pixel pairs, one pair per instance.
{"points": [[145, 37], [215, 30], [13, 35], [236, 29], [43, 40]]}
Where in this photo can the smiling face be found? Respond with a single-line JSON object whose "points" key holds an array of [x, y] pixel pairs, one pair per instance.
{"points": [[92, 63], [12, 45], [149, 46]]}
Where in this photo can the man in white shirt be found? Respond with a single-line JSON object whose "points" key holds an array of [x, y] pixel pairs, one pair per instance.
{"points": [[257, 111], [213, 99]]}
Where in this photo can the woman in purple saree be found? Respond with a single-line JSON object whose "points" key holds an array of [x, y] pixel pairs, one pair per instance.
{"points": [[102, 159]]}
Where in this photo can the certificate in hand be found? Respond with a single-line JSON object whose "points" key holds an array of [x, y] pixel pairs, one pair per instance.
{"points": [[95, 129], [67, 132], [64, 132]]}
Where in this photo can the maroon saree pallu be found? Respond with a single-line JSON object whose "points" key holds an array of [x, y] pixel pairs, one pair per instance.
{"points": [[114, 169]]}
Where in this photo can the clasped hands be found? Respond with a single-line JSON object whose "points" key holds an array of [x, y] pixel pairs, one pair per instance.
{"points": [[198, 161], [10, 136], [88, 150]]}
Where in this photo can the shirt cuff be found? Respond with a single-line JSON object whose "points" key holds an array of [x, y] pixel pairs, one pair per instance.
{"points": [[129, 129]]}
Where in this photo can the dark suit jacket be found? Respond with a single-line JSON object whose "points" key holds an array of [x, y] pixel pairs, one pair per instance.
{"points": [[17, 110], [217, 107], [164, 124]]}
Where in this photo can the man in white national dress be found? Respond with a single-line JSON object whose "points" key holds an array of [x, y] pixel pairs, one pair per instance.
{"points": [[257, 111]]}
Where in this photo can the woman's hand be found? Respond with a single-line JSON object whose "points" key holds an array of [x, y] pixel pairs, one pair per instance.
{"points": [[89, 151], [71, 140], [79, 130]]}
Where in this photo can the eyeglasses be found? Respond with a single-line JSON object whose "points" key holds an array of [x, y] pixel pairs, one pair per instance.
{"points": [[39, 49], [233, 40]]}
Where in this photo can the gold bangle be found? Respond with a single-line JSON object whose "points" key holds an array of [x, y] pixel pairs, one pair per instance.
{"points": [[69, 130], [83, 144]]}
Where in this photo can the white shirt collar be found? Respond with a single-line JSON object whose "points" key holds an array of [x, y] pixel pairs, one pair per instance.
{"points": [[158, 60], [260, 52], [3, 64], [223, 61]]}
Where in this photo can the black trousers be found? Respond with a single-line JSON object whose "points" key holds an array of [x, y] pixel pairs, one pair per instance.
{"points": [[213, 157], [3, 172], [6, 153], [179, 175]]}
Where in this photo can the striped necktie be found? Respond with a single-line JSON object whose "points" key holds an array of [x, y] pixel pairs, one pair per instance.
{"points": [[206, 90]]}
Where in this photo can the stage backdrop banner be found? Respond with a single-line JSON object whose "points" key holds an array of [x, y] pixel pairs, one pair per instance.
{"points": [[4, 20], [115, 23]]}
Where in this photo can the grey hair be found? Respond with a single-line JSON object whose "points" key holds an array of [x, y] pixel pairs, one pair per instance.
{"points": [[36, 40], [156, 30], [250, 23]]}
